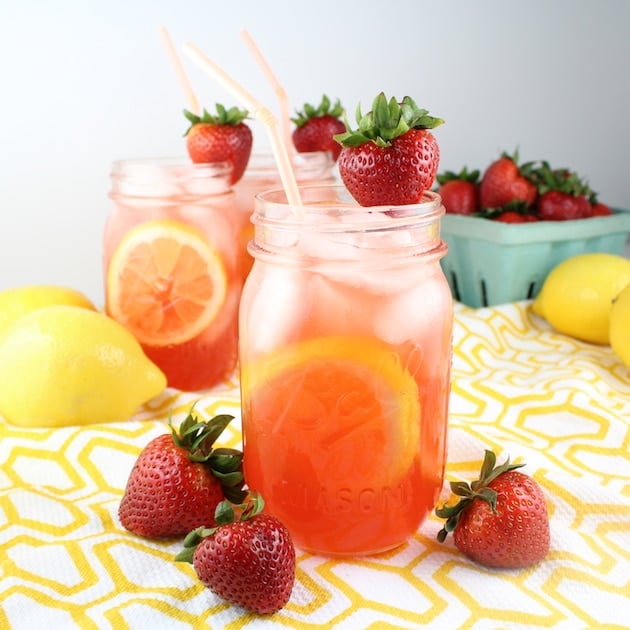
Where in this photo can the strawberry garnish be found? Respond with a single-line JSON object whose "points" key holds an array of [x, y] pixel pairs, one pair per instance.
{"points": [[459, 191], [392, 157], [501, 519], [180, 478], [505, 181], [316, 126], [248, 559], [220, 137]]}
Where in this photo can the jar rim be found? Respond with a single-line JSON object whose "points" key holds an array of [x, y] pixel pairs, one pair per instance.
{"points": [[175, 167], [334, 200]]}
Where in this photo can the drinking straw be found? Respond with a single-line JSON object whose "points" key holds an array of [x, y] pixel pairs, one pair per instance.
{"points": [[281, 93], [189, 93], [259, 112]]}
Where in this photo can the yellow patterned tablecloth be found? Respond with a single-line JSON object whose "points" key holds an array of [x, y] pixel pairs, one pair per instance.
{"points": [[518, 388]]}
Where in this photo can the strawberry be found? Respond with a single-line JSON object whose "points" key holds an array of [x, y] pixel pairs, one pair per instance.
{"points": [[599, 209], [504, 181], [316, 126], [179, 478], [513, 212], [392, 158], [562, 194], [513, 216], [248, 561], [223, 137], [556, 205], [501, 520], [459, 191]]}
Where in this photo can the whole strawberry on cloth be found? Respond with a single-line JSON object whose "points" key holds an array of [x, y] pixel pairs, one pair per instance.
{"points": [[316, 126], [392, 157], [220, 137], [179, 479], [501, 519], [506, 181], [247, 559], [459, 191]]}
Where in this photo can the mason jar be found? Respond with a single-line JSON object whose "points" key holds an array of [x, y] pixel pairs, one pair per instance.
{"points": [[345, 353], [171, 266]]}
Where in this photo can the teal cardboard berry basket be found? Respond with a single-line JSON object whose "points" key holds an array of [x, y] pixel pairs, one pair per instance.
{"points": [[490, 262]]}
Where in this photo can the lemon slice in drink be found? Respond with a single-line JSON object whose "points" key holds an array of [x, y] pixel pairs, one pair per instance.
{"points": [[165, 283], [349, 402]]}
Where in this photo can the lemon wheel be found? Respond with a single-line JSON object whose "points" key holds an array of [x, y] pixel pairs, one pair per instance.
{"points": [[350, 401], [165, 282]]}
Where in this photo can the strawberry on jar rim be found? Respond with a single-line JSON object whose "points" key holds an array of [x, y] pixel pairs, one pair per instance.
{"points": [[220, 137], [179, 478], [315, 127], [392, 157], [501, 519], [459, 191], [247, 558], [506, 181]]}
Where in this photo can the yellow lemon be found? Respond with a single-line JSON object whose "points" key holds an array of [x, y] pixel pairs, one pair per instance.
{"points": [[577, 295], [18, 301], [66, 365], [620, 326]]}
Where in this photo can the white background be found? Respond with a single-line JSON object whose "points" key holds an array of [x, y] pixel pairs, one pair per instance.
{"points": [[85, 82]]}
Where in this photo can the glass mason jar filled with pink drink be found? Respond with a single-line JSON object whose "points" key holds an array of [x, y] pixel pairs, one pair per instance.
{"points": [[171, 266], [262, 174], [345, 353]]}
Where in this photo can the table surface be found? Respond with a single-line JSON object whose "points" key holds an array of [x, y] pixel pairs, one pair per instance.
{"points": [[519, 388]]}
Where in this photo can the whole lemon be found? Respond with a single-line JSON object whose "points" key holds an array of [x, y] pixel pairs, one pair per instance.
{"points": [[18, 301], [620, 326], [67, 365], [577, 295]]}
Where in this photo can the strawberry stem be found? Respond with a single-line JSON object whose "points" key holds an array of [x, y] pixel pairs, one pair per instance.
{"points": [[226, 464], [232, 116], [478, 489], [325, 108], [224, 514]]}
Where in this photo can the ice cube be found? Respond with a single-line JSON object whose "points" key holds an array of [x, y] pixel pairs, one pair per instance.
{"points": [[280, 304], [415, 314]]}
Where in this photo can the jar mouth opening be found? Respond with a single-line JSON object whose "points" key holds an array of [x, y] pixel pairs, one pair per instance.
{"points": [[160, 177], [305, 165], [171, 167], [332, 208]]}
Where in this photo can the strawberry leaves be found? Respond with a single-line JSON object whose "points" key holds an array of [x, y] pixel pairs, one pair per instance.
{"points": [[223, 116], [476, 490], [386, 121], [225, 464], [325, 108]]}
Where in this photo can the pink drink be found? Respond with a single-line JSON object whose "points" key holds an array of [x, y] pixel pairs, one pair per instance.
{"points": [[345, 353]]}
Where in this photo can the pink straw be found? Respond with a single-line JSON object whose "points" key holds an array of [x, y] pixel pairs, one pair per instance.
{"points": [[189, 93], [259, 112], [281, 93]]}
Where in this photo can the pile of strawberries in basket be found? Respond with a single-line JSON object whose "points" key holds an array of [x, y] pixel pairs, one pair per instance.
{"points": [[519, 193]]}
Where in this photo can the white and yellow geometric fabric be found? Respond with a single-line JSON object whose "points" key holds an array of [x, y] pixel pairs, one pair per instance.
{"points": [[519, 388]]}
